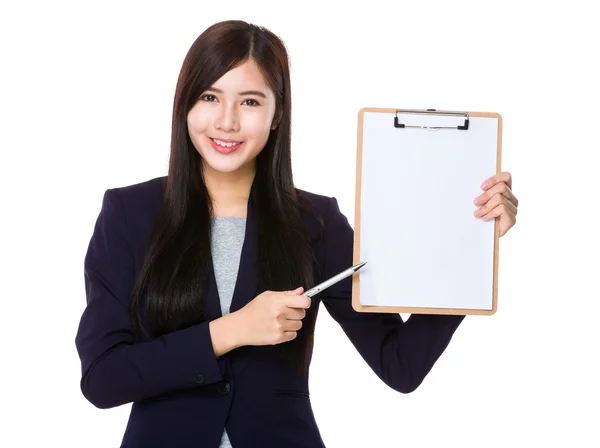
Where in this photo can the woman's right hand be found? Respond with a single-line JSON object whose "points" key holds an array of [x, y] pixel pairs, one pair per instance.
{"points": [[272, 317]]}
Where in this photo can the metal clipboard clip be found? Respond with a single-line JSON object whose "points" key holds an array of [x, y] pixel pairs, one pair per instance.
{"points": [[464, 127]]}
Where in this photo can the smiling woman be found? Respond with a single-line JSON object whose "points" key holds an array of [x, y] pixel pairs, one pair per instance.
{"points": [[195, 308]]}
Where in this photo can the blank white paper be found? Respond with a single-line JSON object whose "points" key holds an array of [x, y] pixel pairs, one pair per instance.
{"points": [[423, 245]]}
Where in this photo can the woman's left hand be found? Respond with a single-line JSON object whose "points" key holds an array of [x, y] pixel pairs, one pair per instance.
{"points": [[498, 200]]}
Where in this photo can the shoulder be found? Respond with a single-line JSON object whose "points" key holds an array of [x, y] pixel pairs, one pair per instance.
{"points": [[134, 208], [326, 207], [138, 201], [148, 192], [335, 245]]}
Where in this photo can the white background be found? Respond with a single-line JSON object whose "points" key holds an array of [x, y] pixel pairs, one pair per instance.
{"points": [[85, 99]]}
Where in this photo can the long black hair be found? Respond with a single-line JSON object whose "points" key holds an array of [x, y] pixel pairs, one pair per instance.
{"points": [[170, 283]]}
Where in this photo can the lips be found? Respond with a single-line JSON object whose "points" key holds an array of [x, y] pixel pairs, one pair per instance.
{"points": [[225, 146]]}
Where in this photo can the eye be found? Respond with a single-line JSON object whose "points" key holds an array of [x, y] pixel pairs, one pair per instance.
{"points": [[208, 97], [252, 102]]}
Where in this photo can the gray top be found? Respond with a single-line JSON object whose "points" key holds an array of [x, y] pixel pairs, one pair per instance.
{"points": [[226, 245]]}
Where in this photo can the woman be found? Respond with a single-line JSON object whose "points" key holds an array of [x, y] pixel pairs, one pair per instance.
{"points": [[194, 281]]}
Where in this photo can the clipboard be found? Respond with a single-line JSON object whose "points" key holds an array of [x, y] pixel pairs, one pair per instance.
{"points": [[417, 174]]}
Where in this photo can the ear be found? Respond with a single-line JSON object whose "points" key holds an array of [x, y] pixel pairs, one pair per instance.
{"points": [[276, 121]]}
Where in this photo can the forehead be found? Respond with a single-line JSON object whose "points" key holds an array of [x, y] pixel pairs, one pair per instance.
{"points": [[246, 76]]}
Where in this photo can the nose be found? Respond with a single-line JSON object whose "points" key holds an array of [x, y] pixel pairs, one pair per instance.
{"points": [[227, 119]]}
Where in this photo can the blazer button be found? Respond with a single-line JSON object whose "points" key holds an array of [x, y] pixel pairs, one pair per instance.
{"points": [[224, 388], [200, 378]]}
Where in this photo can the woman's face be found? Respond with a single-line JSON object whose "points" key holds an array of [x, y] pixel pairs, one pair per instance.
{"points": [[231, 122]]}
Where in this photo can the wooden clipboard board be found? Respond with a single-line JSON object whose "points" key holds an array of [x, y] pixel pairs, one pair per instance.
{"points": [[461, 119]]}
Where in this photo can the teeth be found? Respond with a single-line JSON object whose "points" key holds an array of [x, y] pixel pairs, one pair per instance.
{"points": [[224, 144]]}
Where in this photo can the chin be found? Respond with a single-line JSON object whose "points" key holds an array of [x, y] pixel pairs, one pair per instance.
{"points": [[223, 166]]}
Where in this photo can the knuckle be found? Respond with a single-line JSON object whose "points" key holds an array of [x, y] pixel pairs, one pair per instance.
{"points": [[277, 329]]}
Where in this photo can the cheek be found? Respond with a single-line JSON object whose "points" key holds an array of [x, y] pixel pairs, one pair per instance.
{"points": [[197, 123], [257, 127]]}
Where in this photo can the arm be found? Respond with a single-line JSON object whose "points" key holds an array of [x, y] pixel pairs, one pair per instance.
{"points": [[400, 353], [115, 370]]}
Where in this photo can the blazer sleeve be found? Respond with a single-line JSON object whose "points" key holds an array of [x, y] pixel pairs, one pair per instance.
{"points": [[400, 353], [115, 370]]}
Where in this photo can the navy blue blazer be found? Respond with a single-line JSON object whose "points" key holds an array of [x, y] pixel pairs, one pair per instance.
{"points": [[182, 395]]}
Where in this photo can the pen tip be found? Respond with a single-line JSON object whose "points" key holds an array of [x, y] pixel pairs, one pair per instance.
{"points": [[360, 265]]}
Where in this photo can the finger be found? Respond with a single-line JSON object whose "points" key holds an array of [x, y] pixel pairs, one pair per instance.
{"points": [[502, 211], [504, 176], [294, 313], [295, 292], [506, 219], [500, 188], [494, 202], [292, 325], [289, 336], [297, 301]]}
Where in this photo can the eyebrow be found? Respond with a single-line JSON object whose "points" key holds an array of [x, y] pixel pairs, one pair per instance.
{"points": [[245, 92]]}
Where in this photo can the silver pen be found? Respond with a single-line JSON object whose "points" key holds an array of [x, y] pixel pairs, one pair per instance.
{"points": [[333, 280]]}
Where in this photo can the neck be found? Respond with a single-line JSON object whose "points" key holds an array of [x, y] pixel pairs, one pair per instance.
{"points": [[229, 192]]}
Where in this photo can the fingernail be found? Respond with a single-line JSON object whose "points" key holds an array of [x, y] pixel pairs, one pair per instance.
{"points": [[477, 201], [484, 185]]}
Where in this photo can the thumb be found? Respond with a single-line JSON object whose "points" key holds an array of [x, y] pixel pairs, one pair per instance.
{"points": [[296, 291]]}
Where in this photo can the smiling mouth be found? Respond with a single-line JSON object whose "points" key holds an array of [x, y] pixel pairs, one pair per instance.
{"points": [[225, 146], [225, 143]]}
